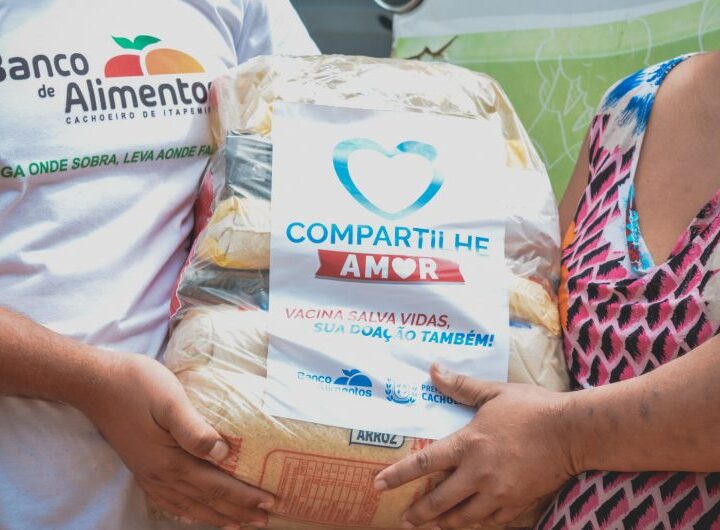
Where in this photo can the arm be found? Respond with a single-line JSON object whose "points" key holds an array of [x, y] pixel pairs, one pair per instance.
{"points": [[37, 363], [269, 27], [141, 409], [668, 419]]}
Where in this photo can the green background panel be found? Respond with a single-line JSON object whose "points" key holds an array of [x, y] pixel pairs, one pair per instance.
{"points": [[556, 77]]}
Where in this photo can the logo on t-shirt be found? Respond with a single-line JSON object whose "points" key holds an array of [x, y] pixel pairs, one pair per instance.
{"points": [[157, 61], [124, 89]]}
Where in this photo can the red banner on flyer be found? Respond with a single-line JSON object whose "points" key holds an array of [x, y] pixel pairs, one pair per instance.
{"points": [[356, 266]]}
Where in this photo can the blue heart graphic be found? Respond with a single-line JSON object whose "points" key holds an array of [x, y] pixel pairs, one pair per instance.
{"points": [[342, 153]]}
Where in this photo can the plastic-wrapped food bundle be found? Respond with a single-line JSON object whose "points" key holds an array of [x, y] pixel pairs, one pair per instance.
{"points": [[323, 475]]}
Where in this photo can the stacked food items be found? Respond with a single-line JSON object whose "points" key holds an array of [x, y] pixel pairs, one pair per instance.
{"points": [[323, 475]]}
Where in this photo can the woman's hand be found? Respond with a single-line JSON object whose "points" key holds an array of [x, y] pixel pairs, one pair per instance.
{"points": [[145, 415], [511, 455]]}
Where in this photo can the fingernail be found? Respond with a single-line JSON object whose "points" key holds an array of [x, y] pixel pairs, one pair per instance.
{"points": [[266, 505], [219, 451], [259, 524], [381, 485], [186, 520], [408, 524], [440, 370]]}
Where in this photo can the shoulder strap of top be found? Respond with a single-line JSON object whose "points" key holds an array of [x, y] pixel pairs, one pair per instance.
{"points": [[616, 134], [630, 100]]}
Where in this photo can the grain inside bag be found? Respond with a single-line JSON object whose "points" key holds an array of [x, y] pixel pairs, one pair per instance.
{"points": [[220, 341]]}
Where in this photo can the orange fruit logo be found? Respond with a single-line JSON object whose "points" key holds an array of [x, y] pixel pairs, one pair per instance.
{"points": [[158, 61]]}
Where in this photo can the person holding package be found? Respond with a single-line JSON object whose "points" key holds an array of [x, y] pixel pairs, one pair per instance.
{"points": [[638, 444], [104, 119]]}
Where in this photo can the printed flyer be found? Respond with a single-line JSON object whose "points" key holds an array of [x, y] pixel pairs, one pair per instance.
{"points": [[387, 254]]}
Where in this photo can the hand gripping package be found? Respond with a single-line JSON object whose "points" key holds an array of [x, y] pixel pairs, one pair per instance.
{"points": [[360, 220]]}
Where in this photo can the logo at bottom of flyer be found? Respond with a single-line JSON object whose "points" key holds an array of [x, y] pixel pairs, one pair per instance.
{"points": [[353, 381], [401, 393]]}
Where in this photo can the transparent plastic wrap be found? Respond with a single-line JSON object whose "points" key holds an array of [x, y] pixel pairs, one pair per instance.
{"points": [[323, 475], [244, 101]]}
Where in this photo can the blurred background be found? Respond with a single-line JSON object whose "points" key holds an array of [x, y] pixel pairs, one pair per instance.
{"points": [[351, 27], [554, 58]]}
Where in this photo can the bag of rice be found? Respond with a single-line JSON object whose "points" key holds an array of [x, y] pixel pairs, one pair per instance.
{"points": [[367, 218]]}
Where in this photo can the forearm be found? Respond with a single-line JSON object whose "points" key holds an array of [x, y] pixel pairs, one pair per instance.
{"points": [[38, 363], [666, 420]]}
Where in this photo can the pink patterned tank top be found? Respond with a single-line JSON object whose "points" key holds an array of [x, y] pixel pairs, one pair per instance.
{"points": [[624, 315]]}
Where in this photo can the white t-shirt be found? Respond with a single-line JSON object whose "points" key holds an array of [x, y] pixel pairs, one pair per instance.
{"points": [[103, 138]]}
